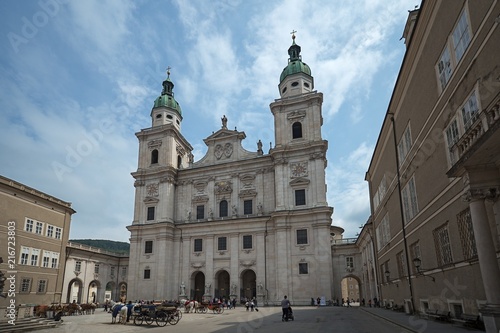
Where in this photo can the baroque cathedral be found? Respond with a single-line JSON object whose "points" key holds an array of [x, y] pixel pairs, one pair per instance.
{"points": [[236, 223]]}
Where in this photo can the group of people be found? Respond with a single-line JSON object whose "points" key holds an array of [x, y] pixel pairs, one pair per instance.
{"points": [[251, 304]]}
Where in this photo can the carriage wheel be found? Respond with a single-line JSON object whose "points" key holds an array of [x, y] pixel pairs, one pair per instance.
{"points": [[217, 310], [138, 320], [149, 319], [174, 318], [221, 309], [178, 313], [199, 309], [204, 309], [161, 318]]}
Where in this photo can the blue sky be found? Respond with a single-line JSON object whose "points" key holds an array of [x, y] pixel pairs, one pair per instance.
{"points": [[78, 79]]}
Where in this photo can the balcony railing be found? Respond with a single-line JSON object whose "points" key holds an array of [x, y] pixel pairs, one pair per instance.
{"points": [[483, 121], [344, 241]]}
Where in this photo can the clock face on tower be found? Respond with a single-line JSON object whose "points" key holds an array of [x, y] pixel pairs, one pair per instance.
{"points": [[298, 169]]}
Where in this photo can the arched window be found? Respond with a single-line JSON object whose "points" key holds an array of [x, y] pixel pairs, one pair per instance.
{"points": [[154, 156], [223, 208], [296, 130]]}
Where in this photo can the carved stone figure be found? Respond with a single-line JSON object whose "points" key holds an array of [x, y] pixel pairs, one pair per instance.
{"points": [[224, 122], [183, 288]]}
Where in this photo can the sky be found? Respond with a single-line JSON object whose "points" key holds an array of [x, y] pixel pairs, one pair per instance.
{"points": [[78, 80]]}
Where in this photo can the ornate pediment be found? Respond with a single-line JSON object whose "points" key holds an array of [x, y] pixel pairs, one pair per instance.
{"points": [[200, 198], [300, 181], [248, 193], [197, 265], [247, 180], [154, 144], [224, 186], [298, 115], [150, 200], [200, 185], [247, 263]]}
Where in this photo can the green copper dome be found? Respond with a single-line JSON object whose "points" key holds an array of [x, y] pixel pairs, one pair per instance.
{"points": [[295, 64], [166, 99]]}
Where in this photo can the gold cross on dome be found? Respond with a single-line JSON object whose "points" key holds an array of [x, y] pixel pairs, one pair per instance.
{"points": [[293, 33], [168, 70]]}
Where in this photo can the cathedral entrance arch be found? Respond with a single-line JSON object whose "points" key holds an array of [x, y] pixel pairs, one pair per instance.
{"points": [[110, 291], [93, 292], [248, 289], [75, 291], [198, 283], [351, 290], [222, 285]]}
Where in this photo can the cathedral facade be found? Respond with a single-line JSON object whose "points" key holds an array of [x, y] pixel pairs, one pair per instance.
{"points": [[236, 223]]}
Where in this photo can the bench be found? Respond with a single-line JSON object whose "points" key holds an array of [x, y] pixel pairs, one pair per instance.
{"points": [[438, 315], [468, 320]]}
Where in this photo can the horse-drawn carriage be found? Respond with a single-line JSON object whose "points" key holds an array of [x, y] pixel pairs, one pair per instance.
{"points": [[159, 313], [202, 307]]}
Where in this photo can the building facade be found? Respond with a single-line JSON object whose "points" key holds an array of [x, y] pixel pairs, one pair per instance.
{"points": [[33, 233], [94, 275], [236, 223], [434, 176]]}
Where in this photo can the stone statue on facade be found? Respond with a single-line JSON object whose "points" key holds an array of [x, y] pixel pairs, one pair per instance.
{"points": [[207, 288], [183, 288], [233, 289], [224, 122]]}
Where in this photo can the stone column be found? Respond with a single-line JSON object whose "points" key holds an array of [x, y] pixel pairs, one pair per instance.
{"points": [[488, 264]]}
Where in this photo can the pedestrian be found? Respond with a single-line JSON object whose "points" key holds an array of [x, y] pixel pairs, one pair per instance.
{"points": [[285, 304], [318, 300], [370, 303]]}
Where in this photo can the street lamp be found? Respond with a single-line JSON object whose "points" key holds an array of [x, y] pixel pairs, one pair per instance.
{"points": [[418, 262]]}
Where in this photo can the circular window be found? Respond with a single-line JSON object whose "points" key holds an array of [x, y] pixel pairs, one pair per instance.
{"points": [[306, 84], [283, 91], [158, 116], [294, 84], [169, 116], [178, 123]]}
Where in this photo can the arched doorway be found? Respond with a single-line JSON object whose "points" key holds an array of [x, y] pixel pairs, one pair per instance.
{"points": [[222, 285], [123, 291], [248, 289], [351, 290], [110, 292], [75, 291], [93, 292], [198, 284]]}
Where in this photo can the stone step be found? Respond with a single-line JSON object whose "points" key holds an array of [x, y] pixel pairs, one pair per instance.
{"points": [[28, 325]]}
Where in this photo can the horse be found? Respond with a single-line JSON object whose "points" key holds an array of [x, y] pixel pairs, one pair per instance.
{"points": [[190, 306]]}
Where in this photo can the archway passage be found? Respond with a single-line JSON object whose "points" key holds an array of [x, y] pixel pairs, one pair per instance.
{"points": [[93, 292], [248, 290], [351, 294], [74, 291], [199, 286], [222, 285], [110, 291]]}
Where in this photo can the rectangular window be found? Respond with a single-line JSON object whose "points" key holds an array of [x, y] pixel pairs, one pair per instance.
{"points": [[42, 286], [383, 232], [470, 111], [58, 233], [300, 197], [409, 196], [444, 68], [461, 36], [222, 243], [247, 242], [25, 285], [247, 207], [50, 231], [404, 145], [78, 266], [384, 272], [28, 225], [124, 272], [466, 231], [349, 262], [452, 136], [147, 273], [415, 253], [198, 245], [55, 259], [443, 246], [302, 236], [112, 273], [151, 214], [34, 257], [200, 212], [96, 269], [401, 264], [46, 259], [25, 253], [38, 228], [148, 247], [303, 268]]}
